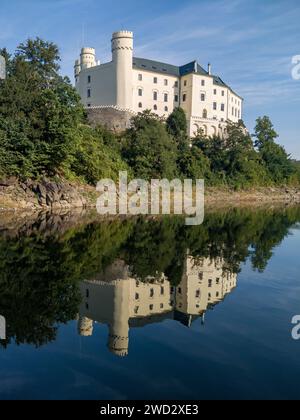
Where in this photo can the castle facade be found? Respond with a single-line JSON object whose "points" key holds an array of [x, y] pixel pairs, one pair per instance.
{"points": [[127, 85]]}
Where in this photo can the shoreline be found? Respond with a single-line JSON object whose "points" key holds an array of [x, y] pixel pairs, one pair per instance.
{"points": [[55, 196]]}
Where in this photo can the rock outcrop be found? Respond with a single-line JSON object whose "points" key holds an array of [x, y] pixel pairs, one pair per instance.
{"points": [[44, 194]]}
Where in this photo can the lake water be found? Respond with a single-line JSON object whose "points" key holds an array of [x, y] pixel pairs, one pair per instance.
{"points": [[150, 308]]}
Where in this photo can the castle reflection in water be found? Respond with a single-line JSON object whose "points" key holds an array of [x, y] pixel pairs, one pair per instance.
{"points": [[119, 300]]}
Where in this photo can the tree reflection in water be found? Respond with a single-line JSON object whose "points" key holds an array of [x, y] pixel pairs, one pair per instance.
{"points": [[127, 273]]}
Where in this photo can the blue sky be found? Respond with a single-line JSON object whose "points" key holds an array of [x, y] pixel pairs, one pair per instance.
{"points": [[249, 43]]}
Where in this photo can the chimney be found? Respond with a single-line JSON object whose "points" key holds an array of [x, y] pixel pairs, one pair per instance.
{"points": [[209, 69]]}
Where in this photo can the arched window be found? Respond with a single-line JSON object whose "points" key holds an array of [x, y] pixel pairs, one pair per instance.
{"points": [[155, 96], [140, 105], [155, 107], [204, 114]]}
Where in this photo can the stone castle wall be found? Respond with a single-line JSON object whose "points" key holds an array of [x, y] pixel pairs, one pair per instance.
{"points": [[113, 118]]}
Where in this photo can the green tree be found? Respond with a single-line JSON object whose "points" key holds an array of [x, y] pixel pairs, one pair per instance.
{"points": [[276, 159], [148, 148], [177, 123], [38, 111]]}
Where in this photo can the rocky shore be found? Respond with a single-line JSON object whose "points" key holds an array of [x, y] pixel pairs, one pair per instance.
{"points": [[43, 195], [49, 195]]}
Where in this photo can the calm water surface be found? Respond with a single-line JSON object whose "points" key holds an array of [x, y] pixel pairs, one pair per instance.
{"points": [[151, 309]]}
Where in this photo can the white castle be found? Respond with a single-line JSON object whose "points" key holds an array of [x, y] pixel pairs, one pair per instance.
{"points": [[117, 299], [131, 84]]}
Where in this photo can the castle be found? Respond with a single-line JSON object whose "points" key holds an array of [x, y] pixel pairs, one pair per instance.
{"points": [[120, 300], [113, 92]]}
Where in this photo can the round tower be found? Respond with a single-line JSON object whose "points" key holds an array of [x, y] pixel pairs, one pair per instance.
{"points": [[77, 69], [122, 56], [85, 327], [118, 339], [88, 58]]}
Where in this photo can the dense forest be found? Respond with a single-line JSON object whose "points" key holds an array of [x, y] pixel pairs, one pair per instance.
{"points": [[44, 132]]}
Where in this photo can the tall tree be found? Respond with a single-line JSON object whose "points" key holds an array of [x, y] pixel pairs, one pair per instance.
{"points": [[275, 157]]}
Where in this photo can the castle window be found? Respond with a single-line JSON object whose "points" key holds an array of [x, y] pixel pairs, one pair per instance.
{"points": [[185, 83], [179, 290], [209, 296], [155, 107], [89, 79], [176, 84], [162, 290], [151, 293], [166, 82], [217, 294], [215, 91], [136, 310], [155, 95], [222, 107], [215, 106], [200, 276], [184, 97], [137, 296], [166, 97], [218, 280], [89, 94], [161, 306], [155, 80], [232, 111], [202, 82], [210, 283], [140, 105], [204, 113], [202, 97], [235, 112], [176, 98], [239, 114], [166, 109], [87, 306], [140, 77], [197, 294], [140, 92], [223, 93], [87, 293], [151, 307]]}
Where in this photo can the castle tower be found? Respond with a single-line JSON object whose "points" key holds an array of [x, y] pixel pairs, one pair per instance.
{"points": [[118, 340], [85, 327], [77, 69], [87, 58], [122, 56]]}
